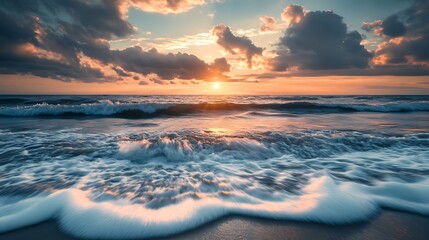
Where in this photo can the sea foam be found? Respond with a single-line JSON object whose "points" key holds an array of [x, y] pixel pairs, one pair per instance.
{"points": [[322, 201]]}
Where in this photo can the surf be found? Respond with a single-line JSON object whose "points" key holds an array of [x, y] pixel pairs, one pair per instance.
{"points": [[149, 110]]}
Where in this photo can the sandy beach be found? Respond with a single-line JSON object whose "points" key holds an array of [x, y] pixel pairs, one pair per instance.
{"points": [[388, 225]]}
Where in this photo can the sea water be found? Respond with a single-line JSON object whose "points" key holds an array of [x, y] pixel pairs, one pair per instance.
{"points": [[149, 166]]}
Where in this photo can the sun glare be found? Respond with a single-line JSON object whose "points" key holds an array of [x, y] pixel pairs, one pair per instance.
{"points": [[216, 85]]}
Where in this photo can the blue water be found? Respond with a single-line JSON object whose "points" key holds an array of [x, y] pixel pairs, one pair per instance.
{"points": [[147, 166]]}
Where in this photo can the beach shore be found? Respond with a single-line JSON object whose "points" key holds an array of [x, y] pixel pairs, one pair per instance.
{"points": [[387, 225]]}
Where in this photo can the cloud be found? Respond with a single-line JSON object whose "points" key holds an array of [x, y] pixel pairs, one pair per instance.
{"points": [[292, 14], [318, 40], [220, 65], [165, 66], [374, 26], [407, 42], [37, 39], [166, 6], [379, 71], [121, 72], [267, 24], [64, 40], [23, 50], [234, 44], [390, 27]]}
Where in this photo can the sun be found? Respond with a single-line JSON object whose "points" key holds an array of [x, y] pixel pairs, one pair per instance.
{"points": [[216, 85]]}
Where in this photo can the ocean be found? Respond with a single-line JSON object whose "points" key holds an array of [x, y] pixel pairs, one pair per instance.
{"points": [[151, 166]]}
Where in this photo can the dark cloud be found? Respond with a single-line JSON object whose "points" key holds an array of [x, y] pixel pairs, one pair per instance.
{"points": [[379, 71], [220, 65], [234, 44], [22, 50], [102, 19], [319, 40], [407, 46], [319, 43], [14, 32], [392, 27], [166, 66], [46, 45], [68, 40]]}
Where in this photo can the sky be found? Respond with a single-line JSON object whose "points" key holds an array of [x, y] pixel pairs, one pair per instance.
{"points": [[301, 47]]}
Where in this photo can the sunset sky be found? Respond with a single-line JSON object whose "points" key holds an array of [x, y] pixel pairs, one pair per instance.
{"points": [[186, 46]]}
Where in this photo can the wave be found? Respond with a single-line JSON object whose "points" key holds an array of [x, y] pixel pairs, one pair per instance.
{"points": [[106, 108], [191, 145], [273, 160], [322, 201], [132, 185], [140, 110], [11, 101]]}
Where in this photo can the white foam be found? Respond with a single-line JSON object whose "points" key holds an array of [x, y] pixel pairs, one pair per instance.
{"points": [[104, 108], [131, 185], [321, 201], [180, 148]]}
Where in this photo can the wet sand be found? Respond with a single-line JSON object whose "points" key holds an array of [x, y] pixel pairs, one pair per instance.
{"points": [[389, 225]]}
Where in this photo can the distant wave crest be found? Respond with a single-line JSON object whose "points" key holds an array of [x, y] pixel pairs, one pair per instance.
{"points": [[143, 110]]}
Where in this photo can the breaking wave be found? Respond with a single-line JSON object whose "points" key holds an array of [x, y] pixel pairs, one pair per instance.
{"points": [[146, 110], [322, 201], [156, 184]]}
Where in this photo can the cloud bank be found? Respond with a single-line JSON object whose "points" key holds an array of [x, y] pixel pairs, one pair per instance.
{"points": [[320, 43], [70, 40], [406, 38], [63, 40]]}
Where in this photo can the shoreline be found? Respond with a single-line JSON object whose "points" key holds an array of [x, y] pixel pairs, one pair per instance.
{"points": [[387, 225]]}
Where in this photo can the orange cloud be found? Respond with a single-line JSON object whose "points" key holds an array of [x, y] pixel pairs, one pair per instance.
{"points": [[166, 6], [268, 24], [293, 14], [31, 50]]}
